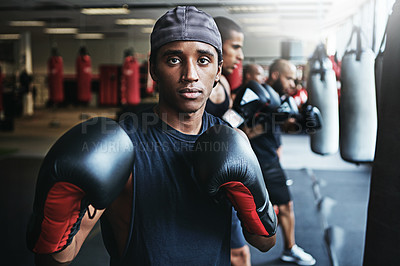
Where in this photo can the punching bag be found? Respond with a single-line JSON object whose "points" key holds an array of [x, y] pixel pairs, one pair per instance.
{"points": [[382, 242], [84, 76], [357, 111], [378, 70], [322, 93], [130, 83], [55, 78]]}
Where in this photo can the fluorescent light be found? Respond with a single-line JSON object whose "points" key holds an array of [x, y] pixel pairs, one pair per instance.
{"points": [[27, 23], [261, 28], [251, 9], [146, 30], [256, 20], [135, 21], [105, 11], [89, 36], [9, 36], [61, 30], [282, 7]]}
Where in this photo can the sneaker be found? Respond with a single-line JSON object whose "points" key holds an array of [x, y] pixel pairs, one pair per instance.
{"points": [[297, 255]]}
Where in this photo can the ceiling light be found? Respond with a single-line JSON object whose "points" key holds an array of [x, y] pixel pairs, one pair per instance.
{"points": [[105, 11], [89, 36], [27, 23], [251, 9], [261, 29], [135, 21], [9, 36], [302, 9], [256, 20], [146, 30], [61, 30]]}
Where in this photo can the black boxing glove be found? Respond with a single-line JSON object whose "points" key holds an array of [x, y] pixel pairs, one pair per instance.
{"points": [[274, 101], [224, 163], [90, 164], [311, 118], [266, 112], [287, 109], [248, 101]]}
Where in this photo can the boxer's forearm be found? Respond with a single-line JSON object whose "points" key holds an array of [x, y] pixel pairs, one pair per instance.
{"points": [[262, 243], [67, 255]]}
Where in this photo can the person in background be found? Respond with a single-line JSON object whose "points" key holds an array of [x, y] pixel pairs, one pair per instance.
{"points": [[265, 139], [219, 102], [253, 72], [232, 42], [25, 81]]}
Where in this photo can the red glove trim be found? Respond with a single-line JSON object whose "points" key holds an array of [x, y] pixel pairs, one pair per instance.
{"points": [[61, 211], [243, 201], [276, 209]]}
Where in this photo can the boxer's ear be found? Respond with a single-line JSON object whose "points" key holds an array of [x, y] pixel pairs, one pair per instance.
{"points": [[218, 75], [153, 71]]}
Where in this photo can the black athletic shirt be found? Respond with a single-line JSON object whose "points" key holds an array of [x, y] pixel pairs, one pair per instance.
{"points": [[175, 222], [266, 144], [218, 109]]}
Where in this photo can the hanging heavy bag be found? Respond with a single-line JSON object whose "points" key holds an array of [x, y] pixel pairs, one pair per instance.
{"points": [[357, 111], [382, 241], [130, 83], [322, 92], [378, 70], [55, 79]]}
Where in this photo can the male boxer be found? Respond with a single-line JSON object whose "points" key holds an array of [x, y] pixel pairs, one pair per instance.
{"points": [[265, 140], [232, 42], [219, 103], [170, 211]]}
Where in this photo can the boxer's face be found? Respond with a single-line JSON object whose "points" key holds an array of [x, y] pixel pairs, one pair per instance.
{"points": [[185, 73], [287, 79], [284, 80], [232, 52], [257, 74]]}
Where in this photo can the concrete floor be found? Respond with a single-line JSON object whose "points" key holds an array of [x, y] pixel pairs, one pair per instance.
{"points": [[339, 206]]}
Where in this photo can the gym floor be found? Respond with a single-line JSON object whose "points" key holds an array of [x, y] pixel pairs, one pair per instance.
{"points": [[330, 195]]}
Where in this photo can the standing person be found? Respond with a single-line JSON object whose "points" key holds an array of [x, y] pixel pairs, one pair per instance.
{"points": [[265, 140], [25, 81], [55, 69], [84, 76], [232, 43], [219, 102], [164, 215], [253, 72]]}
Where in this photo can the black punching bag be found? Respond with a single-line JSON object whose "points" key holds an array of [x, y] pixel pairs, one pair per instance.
{"points": [[378, 70], [357, 109], [383, 222]]}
